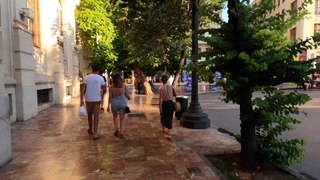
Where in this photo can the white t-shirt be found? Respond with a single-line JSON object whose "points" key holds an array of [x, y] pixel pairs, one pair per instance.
{"points": [[93, 87]]}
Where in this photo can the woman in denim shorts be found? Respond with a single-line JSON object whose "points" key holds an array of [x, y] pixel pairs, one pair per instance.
{"points": [[118, 94]]}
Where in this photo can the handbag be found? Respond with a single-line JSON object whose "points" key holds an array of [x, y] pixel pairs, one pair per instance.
{"points": [[127, 110], [177, 106], [83, 111]]}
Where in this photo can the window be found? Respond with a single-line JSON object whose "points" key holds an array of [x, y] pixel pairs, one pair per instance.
{"points": [[44, 96], [34, 24], [316, 28], [293, 34], [278, 2], [10, 105], [294, 5], [317, 7]]}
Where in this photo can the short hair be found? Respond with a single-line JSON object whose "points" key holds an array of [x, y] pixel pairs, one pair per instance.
{"points": [[95, 68], [164, 78]]}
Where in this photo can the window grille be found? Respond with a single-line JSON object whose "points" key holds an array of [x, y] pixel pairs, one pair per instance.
{"points": [[44, 95]]}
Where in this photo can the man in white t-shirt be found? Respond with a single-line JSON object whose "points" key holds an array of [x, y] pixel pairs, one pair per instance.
{"points": [[92, 86]]}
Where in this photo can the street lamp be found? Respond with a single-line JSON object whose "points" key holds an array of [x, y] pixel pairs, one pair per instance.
{"points": [[194, 117]]}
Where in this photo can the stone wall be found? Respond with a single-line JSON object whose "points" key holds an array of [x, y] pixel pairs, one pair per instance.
{"points": [[5, 130]]}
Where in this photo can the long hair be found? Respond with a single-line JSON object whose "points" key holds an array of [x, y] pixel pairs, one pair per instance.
{"points": [[117, 81], [164, 78]]}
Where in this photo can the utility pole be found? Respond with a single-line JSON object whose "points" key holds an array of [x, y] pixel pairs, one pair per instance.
{"points": [[194, 117]]}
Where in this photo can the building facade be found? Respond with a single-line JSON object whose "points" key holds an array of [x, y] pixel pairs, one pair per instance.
{"points": [[303, 29], [38, 60], [39, 55]]}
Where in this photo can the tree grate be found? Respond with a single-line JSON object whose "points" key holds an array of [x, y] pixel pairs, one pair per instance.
{"points": [[62, 106], [194, 170], [140, 115]]}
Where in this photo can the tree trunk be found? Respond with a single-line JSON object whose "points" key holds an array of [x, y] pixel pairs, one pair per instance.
{"points": [[179, 70], [248, 152]]}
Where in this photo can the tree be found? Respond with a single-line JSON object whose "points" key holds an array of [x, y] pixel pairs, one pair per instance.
{"points": [[158, 33], [252, 53], [97, 31], [155, 32]]}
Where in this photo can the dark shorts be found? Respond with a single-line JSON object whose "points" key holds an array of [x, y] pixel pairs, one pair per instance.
{"points": [[93, 107]]}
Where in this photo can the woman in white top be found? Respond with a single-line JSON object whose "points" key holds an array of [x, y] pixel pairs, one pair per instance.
{"points": [[166, 105]]}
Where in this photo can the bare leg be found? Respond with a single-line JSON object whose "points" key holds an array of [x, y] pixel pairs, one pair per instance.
{"points": [[115, 121], [90, 121], [169, 132], [168, 136], [101, 105], [96, 122], [95, 126], [122, 122]]}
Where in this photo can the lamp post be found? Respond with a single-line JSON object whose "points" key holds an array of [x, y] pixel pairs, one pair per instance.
{"points": [[194, 117]]}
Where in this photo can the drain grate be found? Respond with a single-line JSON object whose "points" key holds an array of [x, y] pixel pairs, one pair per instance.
{"points": [[62, 106], [194, 170], [140, 115]]}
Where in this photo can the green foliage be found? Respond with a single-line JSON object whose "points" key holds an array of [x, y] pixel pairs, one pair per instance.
{"points": [[102, 56], [225, 169], [237, 136], [95, 22], [97, 31], [155, 31], [274, 113], [258, 54], [251, 51]]}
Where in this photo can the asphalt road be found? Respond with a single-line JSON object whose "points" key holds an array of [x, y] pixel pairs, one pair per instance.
{"points": [[227, 116]]}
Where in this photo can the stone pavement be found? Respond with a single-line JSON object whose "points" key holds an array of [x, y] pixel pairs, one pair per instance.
{"points": [[55, 145]]}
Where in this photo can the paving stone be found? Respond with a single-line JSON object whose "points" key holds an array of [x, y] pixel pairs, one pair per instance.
{"points": [[55, 145]]}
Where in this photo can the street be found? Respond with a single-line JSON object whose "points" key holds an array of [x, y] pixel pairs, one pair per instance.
{"points": [[227, 116]]}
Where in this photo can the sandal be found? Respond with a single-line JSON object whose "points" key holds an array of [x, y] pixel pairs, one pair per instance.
{"points": [[121, 136], [117, 133], [96, 137], [89, 131], [169, 137]]}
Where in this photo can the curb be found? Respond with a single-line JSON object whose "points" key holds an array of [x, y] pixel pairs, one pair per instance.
{"points": [[297, 173]]}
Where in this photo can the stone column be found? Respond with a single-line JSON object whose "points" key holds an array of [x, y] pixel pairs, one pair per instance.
{"points": [[75, 75], [24, 73], [59, 85], [5, 128]]}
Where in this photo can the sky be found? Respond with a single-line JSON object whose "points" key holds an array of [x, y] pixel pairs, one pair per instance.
{"points": [[225, 14]]}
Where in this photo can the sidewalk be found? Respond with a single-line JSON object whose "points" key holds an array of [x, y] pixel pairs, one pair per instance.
{"points": [[55, 145]]}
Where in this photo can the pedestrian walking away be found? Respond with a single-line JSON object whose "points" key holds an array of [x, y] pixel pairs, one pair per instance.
{"points": [[93, 89], [137, 83], [102, 97], [166, 106], [118, 94]]}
